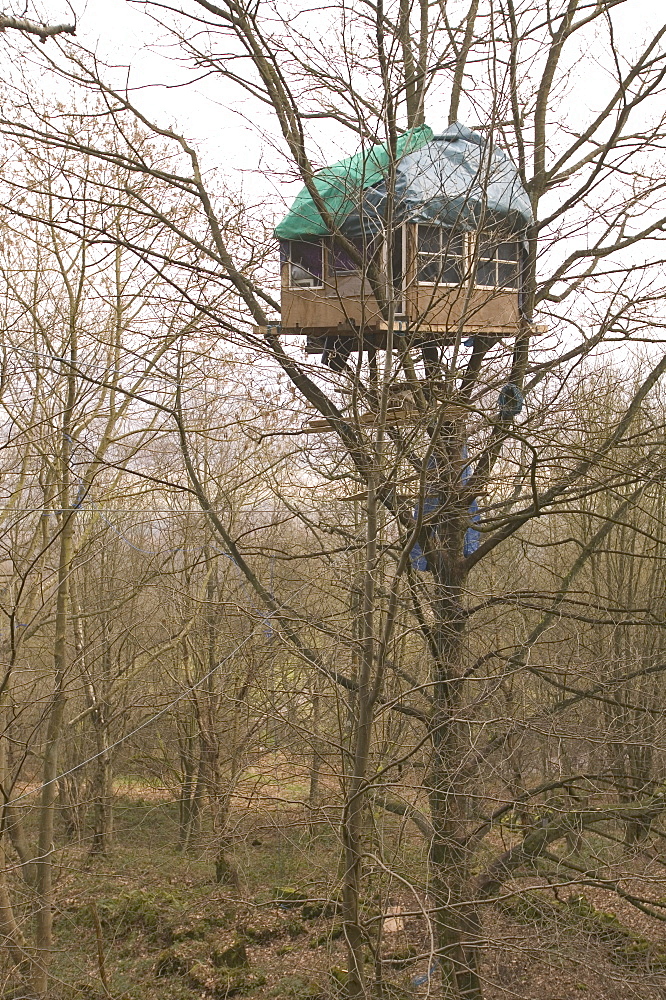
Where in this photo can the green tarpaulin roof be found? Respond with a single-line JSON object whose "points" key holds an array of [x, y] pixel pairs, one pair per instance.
{"points": [[340, 185]]}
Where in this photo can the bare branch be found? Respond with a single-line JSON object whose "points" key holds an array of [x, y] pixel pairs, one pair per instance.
{"points": [[44, 31]]}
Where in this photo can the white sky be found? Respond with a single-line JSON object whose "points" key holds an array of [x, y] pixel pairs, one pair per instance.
{"points": [[205, 112], [225, 125], [212, 113]]}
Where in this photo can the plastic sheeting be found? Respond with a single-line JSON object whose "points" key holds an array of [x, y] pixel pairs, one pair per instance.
{"points": [[456, 179], [510, 402], [416, 555], [472, 538]]}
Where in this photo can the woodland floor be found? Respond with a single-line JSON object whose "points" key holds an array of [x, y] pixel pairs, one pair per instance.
{"points": [[167, 927]]}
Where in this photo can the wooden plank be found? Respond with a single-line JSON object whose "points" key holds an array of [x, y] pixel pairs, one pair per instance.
{"points": [[395, 416]]}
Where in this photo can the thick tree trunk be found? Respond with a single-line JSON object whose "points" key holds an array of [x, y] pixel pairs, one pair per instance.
{"points": [[448, 859], [457, 924]]}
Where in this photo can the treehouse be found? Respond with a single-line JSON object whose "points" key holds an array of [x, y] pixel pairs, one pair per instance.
{"points": [[437, 230]]}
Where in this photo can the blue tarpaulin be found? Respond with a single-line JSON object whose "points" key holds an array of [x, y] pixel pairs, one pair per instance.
{"points": [[418, 560], [459, 179], [472, 538]]}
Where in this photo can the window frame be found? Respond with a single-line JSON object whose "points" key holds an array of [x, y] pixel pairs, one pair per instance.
{"points": [[469, 261], [462, 258], [400, 290], [332, 271], [401, 245], [496, 261]]}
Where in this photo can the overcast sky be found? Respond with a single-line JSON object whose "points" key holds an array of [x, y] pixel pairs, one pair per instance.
{"points": [[222, 121]]}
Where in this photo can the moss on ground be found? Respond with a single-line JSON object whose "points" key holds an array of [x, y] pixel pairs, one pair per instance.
{"points": [[578, 915]]}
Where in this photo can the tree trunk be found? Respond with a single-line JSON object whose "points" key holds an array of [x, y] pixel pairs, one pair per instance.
{"points": [[9, 929], [19, 841], [198, 795], [102, 835], [315, 764], [56, 711], [44, 863], [188, 769], [455, 919], [103, 799], [69, 806], [353, 814]]}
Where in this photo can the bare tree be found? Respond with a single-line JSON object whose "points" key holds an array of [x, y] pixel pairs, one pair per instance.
{"points": [[433, 644]]}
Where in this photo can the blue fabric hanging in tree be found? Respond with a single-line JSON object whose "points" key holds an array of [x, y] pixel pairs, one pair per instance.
{"points": [[510, 402], [472, 538], [417, 558]]}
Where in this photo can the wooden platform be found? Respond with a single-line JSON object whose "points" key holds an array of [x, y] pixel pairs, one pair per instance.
{"points": [[395, 416], [376, 337]]}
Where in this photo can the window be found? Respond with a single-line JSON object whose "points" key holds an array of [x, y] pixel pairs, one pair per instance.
{"points": [[440, 257], [341, 260], [306, 264], [497, 265]]}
